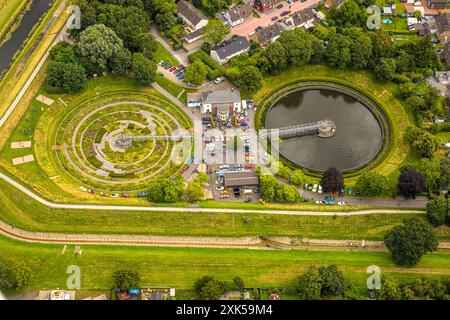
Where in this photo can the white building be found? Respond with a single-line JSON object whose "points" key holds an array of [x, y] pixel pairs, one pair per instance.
{"points": [[237, 14], [191, 15], [222, 103], [230, 49]]}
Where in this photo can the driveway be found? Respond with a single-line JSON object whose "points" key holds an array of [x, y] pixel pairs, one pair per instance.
{"points": [[180, 55], [248, 26]]}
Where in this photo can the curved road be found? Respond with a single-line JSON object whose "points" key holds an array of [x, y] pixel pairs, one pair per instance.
{"points": [[206, 210]]}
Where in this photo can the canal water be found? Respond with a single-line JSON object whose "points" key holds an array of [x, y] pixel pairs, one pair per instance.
{"points": [[30, 19], [358, 135]]}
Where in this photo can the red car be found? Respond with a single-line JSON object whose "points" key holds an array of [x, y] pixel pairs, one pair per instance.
{"points": [[180, 66], [125, 195], [172, 69]]}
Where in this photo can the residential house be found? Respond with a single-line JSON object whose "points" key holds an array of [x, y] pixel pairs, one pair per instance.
{"points": [[437, 4], [238, 14], [265, 5], [194, 36], [222, 103], [268, 34], [443, 27], [191, 15], [227, 50], [304, 18]]}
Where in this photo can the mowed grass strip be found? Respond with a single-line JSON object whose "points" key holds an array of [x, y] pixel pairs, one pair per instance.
{"points": [[181, 267], [23, 212]]}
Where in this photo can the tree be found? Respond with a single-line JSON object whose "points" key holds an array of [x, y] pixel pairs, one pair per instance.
{"points": [[382, 44], [390, 290], [196, 73], [215, 31], [410, 241], [406, 90], [194, 191], [125, 279], [238, 283], [416, 103], [338, 51], [268, 186], [163, 13], [144, 69], [165, 190], [7, 278], [65, 71], [99, 44], [385, 69], [349, 14], [437, 211], [333, 281], [298, 46], [251, 79], [22, 275], [425, 53], [121, 63], [431, 171], [371, 184], [202, 177], [360, 48], [309, 285], [298, 178], [276, 55], [332, 180], [426, 144], [70, 77], [291, 194], [207, 288], [410, 183], [283, 171]]}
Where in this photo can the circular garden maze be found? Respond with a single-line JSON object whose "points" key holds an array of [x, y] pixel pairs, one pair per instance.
{"points": [[116, 141]]}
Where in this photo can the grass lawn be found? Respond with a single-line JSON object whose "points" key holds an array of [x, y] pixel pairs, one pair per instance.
{"points": [[162, 54], [23, 212], [181, 267]]}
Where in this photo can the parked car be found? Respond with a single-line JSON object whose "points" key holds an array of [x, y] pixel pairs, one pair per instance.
{"points": [[220, 188], [284, 13], [279, 6], [314, 189], [142, 194], [259, 28], [274, 18], [342, 203], [247, 200], [83, 189], [103, 194], [114, 195], [305, 187], [168, 66], [320, 189], [219, 80], [125, 195], [320, 202], [172, 69], [92, 191]]}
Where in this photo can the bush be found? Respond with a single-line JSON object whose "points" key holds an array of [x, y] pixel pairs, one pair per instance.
{"points": [[371, 184], [126, 279], [437, 211]]}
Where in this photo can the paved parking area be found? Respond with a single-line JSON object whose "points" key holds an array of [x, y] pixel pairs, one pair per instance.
{"points": [[248, 26]]}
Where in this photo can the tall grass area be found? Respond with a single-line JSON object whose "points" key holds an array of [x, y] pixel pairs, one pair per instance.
{"points": [[9, 11], [181, 267], [23, 212]]}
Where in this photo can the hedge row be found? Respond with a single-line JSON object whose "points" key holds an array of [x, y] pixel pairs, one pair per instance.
{"points": [[214, 69]]}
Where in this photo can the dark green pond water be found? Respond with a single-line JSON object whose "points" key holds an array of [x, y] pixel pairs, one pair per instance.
{"points": [[358, 135]]}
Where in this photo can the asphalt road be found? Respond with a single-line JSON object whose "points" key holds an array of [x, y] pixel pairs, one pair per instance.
{"points": [[248, 26]]}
